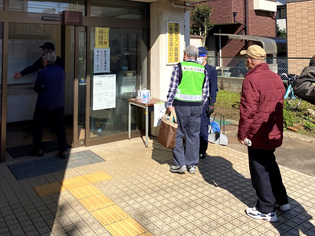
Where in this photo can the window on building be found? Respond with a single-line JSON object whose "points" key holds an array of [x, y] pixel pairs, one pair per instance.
{"points": [[23, 50], [281, 12], [118, 9], [50, 7]]}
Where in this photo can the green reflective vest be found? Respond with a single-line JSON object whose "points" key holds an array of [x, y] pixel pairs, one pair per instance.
{"points": [[190, 87]]}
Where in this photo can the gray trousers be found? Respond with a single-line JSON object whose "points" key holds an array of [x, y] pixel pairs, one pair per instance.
{"points": [[188, 118]]}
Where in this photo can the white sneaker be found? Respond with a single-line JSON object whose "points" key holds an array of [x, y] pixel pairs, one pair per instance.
{"points": [[192, 169], [178, 169], [271, 217], [285, 207]]}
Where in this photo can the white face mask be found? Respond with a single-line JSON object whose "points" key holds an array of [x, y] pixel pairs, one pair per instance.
{"points": [[200, 60]]}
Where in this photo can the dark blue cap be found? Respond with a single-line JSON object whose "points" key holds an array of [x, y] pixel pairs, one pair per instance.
{"points": [[202, 52], [49, 46]]}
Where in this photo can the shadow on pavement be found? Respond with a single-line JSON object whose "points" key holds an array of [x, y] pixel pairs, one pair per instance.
{"points": [[161, 154], [219, 172]]}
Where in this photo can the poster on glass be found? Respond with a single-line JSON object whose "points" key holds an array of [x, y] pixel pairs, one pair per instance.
{"points": [[104, 92]]}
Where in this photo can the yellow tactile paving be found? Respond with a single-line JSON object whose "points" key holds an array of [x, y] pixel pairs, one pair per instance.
{"points": [[97, 202], [110, 215], [85, 191], [126, 227], [75, 182], [147, 234], [48, 189], [98, 177]]}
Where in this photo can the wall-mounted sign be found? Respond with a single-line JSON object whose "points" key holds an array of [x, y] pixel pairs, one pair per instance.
{"points": [[173, 42], [101, 60], [101, 37]]}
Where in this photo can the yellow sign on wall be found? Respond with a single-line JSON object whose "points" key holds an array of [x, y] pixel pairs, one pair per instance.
{"points": [[173, 42], [101, 37]]}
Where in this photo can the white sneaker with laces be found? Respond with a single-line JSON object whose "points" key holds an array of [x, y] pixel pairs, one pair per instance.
{"points": [[285, 207], [253, 212]]}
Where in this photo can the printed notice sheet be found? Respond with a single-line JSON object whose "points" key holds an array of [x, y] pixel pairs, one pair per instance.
{"points": [[159, 111], [101, 60], [104, 92]]}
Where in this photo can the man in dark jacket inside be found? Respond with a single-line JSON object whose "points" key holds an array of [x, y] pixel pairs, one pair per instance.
{"points": [[261, 129], [49, 86], [38, 64]]}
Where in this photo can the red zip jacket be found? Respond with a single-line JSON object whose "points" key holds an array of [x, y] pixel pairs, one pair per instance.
{"points": [[261, 108]]}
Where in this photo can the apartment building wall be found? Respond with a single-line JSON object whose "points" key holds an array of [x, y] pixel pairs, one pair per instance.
{"points": [[300, 30], [221, 11], [259, 23]]}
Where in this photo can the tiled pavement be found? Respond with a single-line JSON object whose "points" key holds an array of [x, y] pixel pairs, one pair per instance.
{"points": [[133, 193]]}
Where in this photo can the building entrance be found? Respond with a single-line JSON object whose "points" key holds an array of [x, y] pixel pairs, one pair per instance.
{"points": [[104, 49], [24, 61]]}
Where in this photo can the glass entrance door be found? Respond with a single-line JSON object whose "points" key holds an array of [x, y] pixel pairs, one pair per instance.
{"points": [[110, 66], [118, 68], [2, 123], [24, 51]]}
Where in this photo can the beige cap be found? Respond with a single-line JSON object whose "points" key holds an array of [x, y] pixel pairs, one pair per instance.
{"points": [[255, 52]]}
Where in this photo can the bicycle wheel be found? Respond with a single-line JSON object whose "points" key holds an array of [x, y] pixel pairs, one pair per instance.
{"points": [[293, 103]]}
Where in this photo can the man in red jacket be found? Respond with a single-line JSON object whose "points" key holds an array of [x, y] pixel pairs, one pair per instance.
{"points": [[261, 129]]}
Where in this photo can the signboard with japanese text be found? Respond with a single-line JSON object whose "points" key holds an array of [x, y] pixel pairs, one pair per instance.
{"points": [[101, 37], [173, 42], [101, 60], [104, 92]]}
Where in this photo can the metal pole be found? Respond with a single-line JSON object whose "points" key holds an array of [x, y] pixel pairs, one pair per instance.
{"points": [[146, 125], [220, 53], [129, 121]]}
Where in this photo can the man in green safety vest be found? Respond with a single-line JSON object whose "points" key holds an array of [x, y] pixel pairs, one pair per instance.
{"points": [[188, 92]]}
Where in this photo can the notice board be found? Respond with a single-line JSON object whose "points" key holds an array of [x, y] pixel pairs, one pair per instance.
{"points": [[173, 42]]}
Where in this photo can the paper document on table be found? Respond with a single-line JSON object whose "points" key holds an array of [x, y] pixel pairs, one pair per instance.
{"points": [[159, 110]]}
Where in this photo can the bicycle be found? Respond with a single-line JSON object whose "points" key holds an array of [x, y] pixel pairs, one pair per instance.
{"points": [[288, 81]]}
